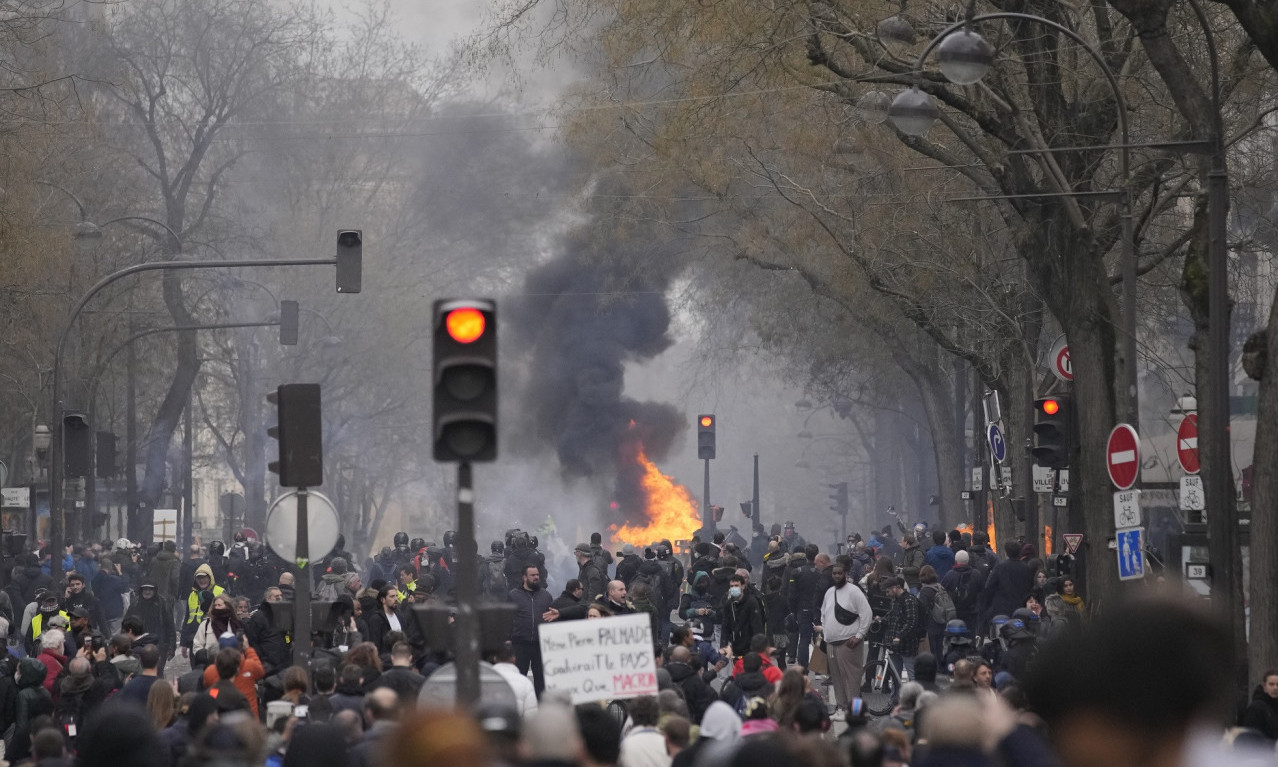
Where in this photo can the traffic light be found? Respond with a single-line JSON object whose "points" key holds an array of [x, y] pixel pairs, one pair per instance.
{"points": [[301, 435], [77, 450], [350, 259], [705, 436], [288, 323], [465, 380], [1053, 427], [840, 498]]}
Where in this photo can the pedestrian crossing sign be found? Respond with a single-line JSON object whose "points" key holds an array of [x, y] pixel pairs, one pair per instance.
{"points": [[1131, 553]]}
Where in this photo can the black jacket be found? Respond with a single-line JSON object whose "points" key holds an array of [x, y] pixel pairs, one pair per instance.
{"points": [[696, 692], [627, 568], [379, 626], [1007, 588], [571, 608], [529, 605], [1261, 714], [267, 640], [156, 615], [741, 621]]}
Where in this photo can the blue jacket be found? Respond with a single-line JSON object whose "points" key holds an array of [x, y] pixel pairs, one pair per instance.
{"points": [[109, 588], [941, 558]]}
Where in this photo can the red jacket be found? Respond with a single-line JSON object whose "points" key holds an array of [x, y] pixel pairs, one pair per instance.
{"points": [[768, 669], [245, 679], [53, 663]]}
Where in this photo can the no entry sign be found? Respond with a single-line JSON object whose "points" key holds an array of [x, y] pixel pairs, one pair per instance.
{"points": [[1122, 456], [1187, 443]]}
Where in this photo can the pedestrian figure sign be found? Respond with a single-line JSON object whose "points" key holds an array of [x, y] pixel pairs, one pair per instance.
{"points": [[1131, 553]]}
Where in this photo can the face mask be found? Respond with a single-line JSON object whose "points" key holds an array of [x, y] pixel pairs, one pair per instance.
{"points": [[735, 592], [222, 612]]}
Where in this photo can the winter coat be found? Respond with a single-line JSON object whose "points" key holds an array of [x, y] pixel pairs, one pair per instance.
{"points": [[110, 590], [593, 577], [245, 679], [742, 619], [1007, 588], [627, 568], [529, 605], [904, 622], [1261, 714], [699, 598], [911, 563], [53, 663], [696, 692], [156, 615], [269, 642], [941, 558], [164, 573], [33, 701]]}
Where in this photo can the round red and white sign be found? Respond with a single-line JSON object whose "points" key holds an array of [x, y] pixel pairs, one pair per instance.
{"points": [[1122, 456], [1058, 357], [1187, 443]]}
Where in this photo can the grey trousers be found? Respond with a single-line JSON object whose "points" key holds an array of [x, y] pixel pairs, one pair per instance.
{"points": [[847, 669]]}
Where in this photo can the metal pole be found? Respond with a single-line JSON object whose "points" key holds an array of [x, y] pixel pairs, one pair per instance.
{"points": [[466, 656], [707, 518], [754, 500], [56, 534], [188, 491], [302, 586]]}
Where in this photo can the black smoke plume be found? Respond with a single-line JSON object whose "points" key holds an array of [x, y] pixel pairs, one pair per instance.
{"points": [[582, 317]]}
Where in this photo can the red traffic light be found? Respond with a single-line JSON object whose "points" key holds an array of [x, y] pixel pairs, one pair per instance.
{"points": [[1051, 406], [707, 421], [465, 326]]}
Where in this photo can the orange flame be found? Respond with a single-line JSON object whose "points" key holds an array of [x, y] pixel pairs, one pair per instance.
{"points": [[671, 511]]}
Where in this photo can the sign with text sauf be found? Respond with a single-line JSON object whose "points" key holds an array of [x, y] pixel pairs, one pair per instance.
{"points": [[599, 659]]}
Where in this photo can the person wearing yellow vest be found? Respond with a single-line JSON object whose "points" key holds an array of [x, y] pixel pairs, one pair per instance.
{"points": [[49, 609], [203, 590]]}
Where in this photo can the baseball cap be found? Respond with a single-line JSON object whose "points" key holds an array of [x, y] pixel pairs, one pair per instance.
{"points": [[147, 585], [78, 612], [228, 639], [583, 547], [49, 599], [58, 622], [628, 549]]}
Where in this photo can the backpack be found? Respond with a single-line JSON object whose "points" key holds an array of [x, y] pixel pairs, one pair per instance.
{"points": [[943, 609], [965, 592], [494, 576]]}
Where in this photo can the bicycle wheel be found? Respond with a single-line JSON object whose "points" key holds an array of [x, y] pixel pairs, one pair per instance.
{"points": [[882, 691]]}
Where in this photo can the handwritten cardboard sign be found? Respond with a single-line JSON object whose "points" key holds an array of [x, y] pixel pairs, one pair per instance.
{"points": [[602, 659]]}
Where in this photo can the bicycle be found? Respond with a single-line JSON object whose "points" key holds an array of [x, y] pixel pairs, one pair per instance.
{"points": [[882, 688]]}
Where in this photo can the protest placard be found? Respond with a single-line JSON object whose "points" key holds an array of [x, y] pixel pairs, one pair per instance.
{"points": [[600, 659]]}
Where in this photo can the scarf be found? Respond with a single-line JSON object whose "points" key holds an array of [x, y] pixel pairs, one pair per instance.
{"points": [[1073, 600]]}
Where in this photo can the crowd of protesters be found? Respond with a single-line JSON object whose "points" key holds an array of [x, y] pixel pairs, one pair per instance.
{"points": [[145, 658]]}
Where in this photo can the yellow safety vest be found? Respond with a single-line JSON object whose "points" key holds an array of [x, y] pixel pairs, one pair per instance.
{"points": [[39, 619], [193, 612]]}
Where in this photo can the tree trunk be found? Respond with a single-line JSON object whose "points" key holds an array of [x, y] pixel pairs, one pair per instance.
{"points": [[160, 434], [1263, 645]]}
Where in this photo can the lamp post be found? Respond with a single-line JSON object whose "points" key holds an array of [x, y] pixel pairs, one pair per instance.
{"points": [[56, 527]]}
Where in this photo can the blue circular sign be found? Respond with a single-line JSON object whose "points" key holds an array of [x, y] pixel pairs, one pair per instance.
{"points": [[997, 445]]}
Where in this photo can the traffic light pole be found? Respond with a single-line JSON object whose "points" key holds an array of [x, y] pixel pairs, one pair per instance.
{"points": [[707, 517], [466, 656], [56, 533], [302, 586]]}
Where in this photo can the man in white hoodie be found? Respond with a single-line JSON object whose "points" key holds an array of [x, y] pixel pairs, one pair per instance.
{"points": [[845, 619]]}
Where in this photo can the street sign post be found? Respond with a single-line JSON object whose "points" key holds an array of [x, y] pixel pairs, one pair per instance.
{"points": [[1044, 479], [978, 478], [1131, 554], [1126, 509], [1187, 443], [1197, 571], [998, 446], [1072, 542], [15, 498], [1192, 497], [1058, 358], [1122, 456]]}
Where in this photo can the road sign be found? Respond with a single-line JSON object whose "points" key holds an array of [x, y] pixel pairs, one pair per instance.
{"points": [[323, 526], [1044, 479], [1187, 443], [1192, 497], [1126, 509], [1197, 571], [978, 478], [998, 447], [1060, 501], [1131, 553], [4, 475], [966, 495], [1062, 480], [1059, 359], [15, 498], [1122, 456], [1072, 542]]}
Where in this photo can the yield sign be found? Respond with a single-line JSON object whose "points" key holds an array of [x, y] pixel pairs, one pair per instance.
{"points": [[1187, 443], [1072, 541], [1122, 456]]}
